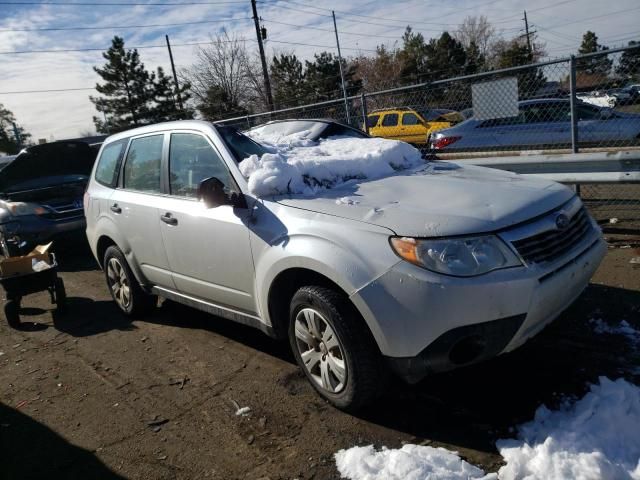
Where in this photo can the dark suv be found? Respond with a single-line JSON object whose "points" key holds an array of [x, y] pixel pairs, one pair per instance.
{"points": [[41, 194]]}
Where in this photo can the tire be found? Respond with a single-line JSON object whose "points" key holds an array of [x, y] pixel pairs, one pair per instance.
{"points": [[345, 341], [123, 286], [12, 312], [61, 295]]}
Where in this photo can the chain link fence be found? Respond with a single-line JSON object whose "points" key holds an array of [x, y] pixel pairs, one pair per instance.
{"points": [[575, 104]]}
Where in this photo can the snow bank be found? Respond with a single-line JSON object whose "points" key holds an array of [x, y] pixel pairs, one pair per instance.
{"points": [[411, 462], [594, 438], [305, 170], [597, 437]]}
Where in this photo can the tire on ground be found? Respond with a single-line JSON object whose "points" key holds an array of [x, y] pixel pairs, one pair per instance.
{"points": [[140, 303], [366, 374]]}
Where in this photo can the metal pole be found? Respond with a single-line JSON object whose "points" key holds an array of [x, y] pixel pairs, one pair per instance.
{"points": [[263, 60], [573, 104], [526, 27], [16, 132], [365, 114], [344, 88], [175, 77]]}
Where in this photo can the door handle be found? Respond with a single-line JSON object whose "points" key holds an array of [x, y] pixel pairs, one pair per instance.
{"points": [[169, 219], [115, 208]]}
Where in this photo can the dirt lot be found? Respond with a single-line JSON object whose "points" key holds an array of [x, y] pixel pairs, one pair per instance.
{"points": [[90, 395]]}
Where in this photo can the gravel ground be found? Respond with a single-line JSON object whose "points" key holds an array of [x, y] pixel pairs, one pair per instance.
{"points": [[89, 394]]}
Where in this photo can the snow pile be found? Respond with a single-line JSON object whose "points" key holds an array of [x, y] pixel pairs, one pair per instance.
{"points": [[278, 141], [411, 462], [331, 162], [597, 437], [623, 328], [594, 438]]}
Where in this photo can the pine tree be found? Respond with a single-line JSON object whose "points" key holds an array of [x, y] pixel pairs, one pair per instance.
{"points": [[166, 106], [127, 92], [445, 58], [413, 56], [599, 65], [322, 78], [8, 129], [287, 80], [629, 65]]}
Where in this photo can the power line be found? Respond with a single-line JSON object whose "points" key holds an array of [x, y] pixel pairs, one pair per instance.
{"points": [[48, 91], [323, 46], [117, 27], [373, 35], [123, 4]]}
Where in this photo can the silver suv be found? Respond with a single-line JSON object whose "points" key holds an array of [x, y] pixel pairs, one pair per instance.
{"points": [[433, 268]]}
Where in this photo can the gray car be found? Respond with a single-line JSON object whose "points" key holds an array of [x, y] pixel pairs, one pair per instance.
{"points": [[435, 267], [41, 194], [540, 123]]}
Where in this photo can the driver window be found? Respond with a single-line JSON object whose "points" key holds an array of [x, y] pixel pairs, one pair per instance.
{"points": [[191, 160]]}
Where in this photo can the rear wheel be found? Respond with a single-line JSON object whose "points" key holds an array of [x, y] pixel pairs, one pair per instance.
{"points": [[124, 287], [334, 348], [61, 295], [12, 312]]}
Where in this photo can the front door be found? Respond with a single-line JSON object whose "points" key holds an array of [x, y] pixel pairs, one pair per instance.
{"points": [[208, 248]]}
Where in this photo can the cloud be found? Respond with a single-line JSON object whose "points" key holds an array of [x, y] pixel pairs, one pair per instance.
{"points": [[64, 114]]}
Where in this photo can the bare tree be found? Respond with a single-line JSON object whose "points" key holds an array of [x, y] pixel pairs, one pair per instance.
{"points": [[478, 30], [221, 78], [383, 70]]}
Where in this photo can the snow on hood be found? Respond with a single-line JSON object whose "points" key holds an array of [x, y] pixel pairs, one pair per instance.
{"points": [[297, 168], [438, 199]]}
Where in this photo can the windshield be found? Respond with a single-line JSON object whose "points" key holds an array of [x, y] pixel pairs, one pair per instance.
{"points": [[239, 144], [59, 159]]}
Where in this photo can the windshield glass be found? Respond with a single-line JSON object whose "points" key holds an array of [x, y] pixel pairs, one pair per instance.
{"points": [[239, 144]]}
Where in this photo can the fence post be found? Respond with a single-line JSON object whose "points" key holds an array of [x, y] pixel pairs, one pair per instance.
{"points": [[363, 103], [248, 123], [572, 102]]}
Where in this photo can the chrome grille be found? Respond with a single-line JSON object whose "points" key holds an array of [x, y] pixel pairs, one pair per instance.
{"points": [[552, 244], [63, 210]]}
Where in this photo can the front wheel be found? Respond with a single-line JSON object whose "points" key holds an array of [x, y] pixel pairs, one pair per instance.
{"points": [[334, 348], [124, 287]]}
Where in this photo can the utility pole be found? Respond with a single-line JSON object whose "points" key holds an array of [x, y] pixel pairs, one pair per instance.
{"points": [[344, 88], [526, 29], [265, 73], [175, 77]]}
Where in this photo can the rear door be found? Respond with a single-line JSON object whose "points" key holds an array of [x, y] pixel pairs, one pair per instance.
{"points": [[208, 248], [133, 207]]}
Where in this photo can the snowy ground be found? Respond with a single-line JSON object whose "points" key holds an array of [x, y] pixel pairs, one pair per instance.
{"points": [[594, 438], [300, 166]]}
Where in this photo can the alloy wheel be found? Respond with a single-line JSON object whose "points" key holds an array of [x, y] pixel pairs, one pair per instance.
{"points": [[320, 350], [119, 283]]}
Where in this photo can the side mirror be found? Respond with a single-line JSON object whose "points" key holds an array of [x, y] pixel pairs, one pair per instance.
{"points": [[211, 191]]}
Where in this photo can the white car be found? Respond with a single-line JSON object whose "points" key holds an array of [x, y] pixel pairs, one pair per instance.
{"points": [[363, 255]]}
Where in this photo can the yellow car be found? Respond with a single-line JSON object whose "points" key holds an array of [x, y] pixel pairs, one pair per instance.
{"points": [[410, 125]]}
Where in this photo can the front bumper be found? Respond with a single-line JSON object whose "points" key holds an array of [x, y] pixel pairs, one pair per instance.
{"points": [[425, 322], [35, 230]]}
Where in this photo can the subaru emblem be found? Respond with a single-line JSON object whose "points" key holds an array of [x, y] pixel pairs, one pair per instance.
{"points": [[562, 222]]}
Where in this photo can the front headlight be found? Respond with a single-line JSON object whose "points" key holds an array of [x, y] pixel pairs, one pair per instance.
{"points": [[460, 257], [18, 209]]}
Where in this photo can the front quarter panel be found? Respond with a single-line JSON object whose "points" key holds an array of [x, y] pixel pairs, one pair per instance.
{"points": [[349, 253]]}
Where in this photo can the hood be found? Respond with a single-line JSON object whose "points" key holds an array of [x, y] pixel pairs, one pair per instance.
{"points": [[46, 165], [440, 199]]}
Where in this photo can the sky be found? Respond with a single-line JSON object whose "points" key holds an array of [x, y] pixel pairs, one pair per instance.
{"points": [[302, 27]]}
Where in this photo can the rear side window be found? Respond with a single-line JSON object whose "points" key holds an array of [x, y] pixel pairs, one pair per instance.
{"points": [[107, 169], [410, 119], [142, 167], [390, 120], [372, 120]]}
